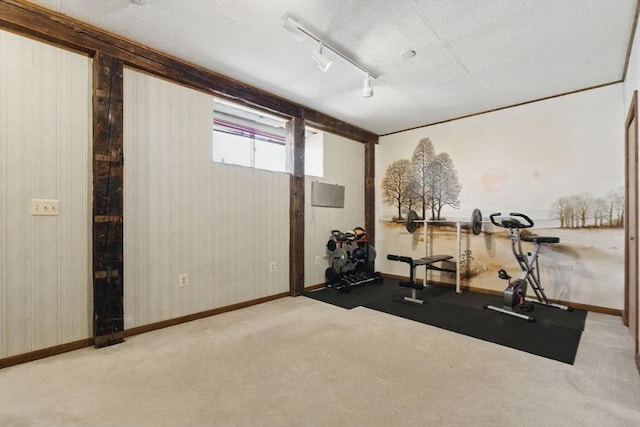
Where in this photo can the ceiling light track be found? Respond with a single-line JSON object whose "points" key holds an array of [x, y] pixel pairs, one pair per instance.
{"points": [[293, 26]]}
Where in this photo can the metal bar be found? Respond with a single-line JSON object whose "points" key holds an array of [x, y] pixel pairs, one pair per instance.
{"points": [[511, 313], [458, 249], [290, 21]]}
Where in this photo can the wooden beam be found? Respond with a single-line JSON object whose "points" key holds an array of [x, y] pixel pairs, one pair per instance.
{"points": [[330, 124], [295, 139], [108, 184], [370, 190]]}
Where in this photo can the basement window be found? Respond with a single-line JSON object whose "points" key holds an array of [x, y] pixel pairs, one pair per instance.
{"points": [[246, 137]]}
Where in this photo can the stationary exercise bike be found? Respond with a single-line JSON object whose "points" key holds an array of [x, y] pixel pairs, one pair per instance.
{"points": [[514, 296]]}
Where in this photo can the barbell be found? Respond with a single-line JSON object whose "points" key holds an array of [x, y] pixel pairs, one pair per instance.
{"points": [[412, 221]]}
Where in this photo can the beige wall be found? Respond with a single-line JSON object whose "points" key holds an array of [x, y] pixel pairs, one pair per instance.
{"points": [[45, 143], [222, 225]]}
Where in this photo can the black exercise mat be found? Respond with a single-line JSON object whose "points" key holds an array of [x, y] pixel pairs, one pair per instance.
{"points": [[366, 294], [555, 334], [544, 314]]}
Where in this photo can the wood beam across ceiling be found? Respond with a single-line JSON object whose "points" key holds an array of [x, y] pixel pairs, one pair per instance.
{"points": [[43, 24]]}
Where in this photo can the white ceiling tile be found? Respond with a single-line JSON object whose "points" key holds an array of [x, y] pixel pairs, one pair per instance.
{"points": [[472, 55]]}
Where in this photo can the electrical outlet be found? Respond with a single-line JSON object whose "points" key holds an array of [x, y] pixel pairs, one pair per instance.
{"points": [[45, 207], [317, 259], [272, 267], [183, 280]]}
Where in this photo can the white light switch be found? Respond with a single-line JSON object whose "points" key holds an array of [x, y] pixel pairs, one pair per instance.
{"points": [[46, 207]]}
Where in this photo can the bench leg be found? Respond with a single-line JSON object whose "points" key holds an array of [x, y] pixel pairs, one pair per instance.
{"points": [[413, 297]]}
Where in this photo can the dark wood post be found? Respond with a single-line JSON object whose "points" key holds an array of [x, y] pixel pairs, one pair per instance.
{"points": [[295, 139], [108, 174], [370, 190]]}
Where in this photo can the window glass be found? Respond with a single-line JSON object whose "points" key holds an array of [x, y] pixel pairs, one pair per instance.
{"points": [[231, 149], [270, 156], [247, 137]]}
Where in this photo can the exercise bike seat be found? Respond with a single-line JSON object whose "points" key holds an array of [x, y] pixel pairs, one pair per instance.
{"points": [[541, 239]]}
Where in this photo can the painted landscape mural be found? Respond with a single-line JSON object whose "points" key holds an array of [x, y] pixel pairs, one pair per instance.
{"points": [[553, 174]]}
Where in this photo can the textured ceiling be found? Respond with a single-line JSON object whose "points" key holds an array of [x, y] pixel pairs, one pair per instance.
{"points": [[471, 55]]}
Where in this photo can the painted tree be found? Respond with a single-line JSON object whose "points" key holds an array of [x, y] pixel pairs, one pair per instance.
{"points": [[561, 210], [615, 200], [396, 185], [582, 203], [423, 156], [598, 210], [573, 211], [444, 187]]}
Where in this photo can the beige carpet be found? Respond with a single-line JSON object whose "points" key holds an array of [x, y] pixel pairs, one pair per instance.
{"points": [[300, 362]]}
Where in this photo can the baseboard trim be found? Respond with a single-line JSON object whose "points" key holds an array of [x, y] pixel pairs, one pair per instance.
{"points": [[77, 345], [45, 352], [201, 315], [586, 307], [315, 287]]}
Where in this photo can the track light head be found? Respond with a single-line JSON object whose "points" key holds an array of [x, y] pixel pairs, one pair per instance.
{"points": [[293, 27], [323, 62], [367, 89]]}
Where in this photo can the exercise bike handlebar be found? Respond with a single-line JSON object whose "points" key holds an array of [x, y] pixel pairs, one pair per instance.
{"points": [[511, 221]]}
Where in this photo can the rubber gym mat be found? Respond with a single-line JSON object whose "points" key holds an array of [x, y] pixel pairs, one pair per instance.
{"points": [[365, 294], [555, 334]]}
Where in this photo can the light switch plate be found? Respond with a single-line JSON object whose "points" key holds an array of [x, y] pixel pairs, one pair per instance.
{"points": [[45, 207]]}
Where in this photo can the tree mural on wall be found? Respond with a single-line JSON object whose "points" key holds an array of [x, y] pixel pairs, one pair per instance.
{"points": [[583, 210], [421, 178], [445, 188], [396, 185], [428, 181]]}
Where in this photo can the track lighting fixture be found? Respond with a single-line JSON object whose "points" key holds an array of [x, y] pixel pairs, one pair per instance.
{"points": [[323, 62], [367, 89], [300, 33]]}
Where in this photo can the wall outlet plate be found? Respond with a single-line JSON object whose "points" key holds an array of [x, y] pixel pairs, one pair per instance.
{"points": [[183, 280]]}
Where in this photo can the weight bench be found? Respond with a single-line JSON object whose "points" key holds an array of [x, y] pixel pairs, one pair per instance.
{"points": [[428, 262]]}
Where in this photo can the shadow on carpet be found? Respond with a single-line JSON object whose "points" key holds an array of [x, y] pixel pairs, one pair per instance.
{"points": [[555, 334]]}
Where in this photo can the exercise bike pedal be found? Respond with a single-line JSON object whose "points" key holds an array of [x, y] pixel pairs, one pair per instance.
{"points": [[503, 275], [527, 307]]}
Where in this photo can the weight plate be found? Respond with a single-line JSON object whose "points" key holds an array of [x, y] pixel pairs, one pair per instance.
{"points": [[340, 258], [476, 221], [410, 221], [358, 254], [331, 275], [371, 255]]}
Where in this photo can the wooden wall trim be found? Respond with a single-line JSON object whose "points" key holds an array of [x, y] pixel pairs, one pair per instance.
{"points": [[108, 190], [327, 123], [295, 138], [34, 21], [370, 191], [45, 352], [201, 315], [585, 307]]}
